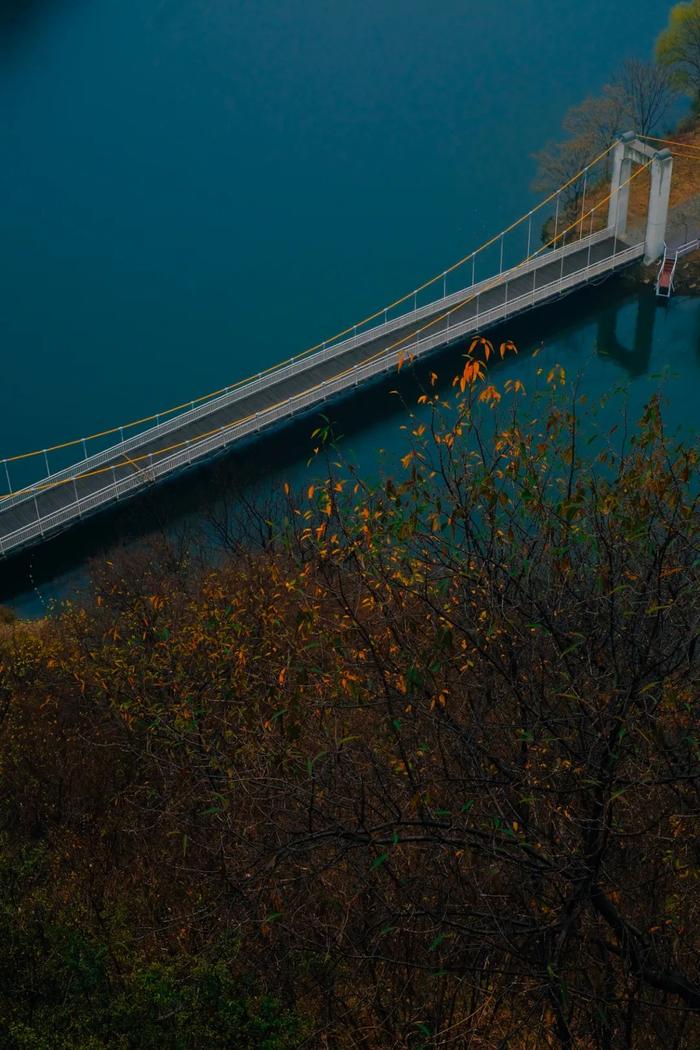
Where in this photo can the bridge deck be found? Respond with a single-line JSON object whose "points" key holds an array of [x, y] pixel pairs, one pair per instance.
{"points": [[64, 497]]}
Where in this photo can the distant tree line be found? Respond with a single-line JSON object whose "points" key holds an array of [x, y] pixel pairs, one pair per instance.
{"points": [[678, 47]]}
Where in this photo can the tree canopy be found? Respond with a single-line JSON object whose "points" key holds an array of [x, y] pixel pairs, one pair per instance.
{"points": [[678, 46]]}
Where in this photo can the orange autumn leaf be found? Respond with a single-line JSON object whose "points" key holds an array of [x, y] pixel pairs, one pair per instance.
{"points": [[490, 394]]}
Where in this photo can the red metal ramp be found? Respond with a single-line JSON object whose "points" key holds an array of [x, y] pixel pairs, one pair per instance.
{"points": [[664, 283]]}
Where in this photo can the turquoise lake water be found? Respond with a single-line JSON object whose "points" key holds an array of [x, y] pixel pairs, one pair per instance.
{"points": [[194, 189]]}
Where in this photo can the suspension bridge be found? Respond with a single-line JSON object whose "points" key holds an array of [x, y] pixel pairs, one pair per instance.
{"points": [[586, 238]]}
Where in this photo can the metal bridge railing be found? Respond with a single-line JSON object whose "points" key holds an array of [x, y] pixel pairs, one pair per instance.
{"points": [[294, 368], [200, 450], [558, 205]]}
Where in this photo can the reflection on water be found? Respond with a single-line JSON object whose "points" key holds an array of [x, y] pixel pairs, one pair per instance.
{"points": [[634, 357]]}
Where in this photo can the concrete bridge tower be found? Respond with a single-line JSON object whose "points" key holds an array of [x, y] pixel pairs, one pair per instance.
{"points": [[628, 151]]}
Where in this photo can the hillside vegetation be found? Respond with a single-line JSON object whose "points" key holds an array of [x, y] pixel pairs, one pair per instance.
{"points": [[420, 771]]}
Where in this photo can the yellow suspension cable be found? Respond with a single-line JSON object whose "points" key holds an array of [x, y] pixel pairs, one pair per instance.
{"points": [[129, 461], [317, 346], [686, 156], [669, 142], [498, 278]]}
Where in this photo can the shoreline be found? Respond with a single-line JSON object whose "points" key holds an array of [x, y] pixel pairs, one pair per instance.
{"points": [[686, 282]]}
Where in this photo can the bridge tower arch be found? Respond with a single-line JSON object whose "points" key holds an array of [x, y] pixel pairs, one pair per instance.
{"points": [[628, 151]]}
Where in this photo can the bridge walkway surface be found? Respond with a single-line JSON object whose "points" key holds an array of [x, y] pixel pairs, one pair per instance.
{"points": [[55, 502]]}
